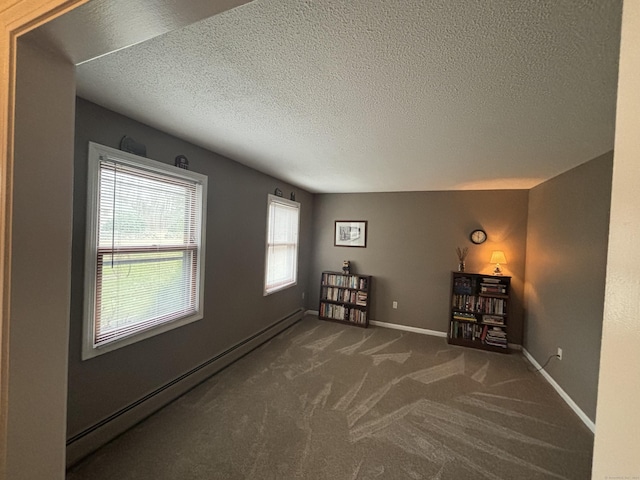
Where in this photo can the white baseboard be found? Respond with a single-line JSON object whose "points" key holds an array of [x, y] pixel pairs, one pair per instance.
{"points": [[569, 401], [94, 437], [395, 326], [426, 331], [423, 331]]}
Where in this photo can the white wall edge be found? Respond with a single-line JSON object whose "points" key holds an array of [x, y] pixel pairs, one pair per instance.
{"points": [[568, 400], [395, 326]]}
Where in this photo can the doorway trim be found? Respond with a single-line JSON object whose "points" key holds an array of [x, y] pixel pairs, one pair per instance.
{"points": [[16, 19]]}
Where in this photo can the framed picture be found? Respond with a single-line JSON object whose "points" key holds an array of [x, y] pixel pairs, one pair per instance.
{"points": [[350, 233]]}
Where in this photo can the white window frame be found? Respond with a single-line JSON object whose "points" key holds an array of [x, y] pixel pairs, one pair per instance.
{"points": [[273, 288], [100, 153]]}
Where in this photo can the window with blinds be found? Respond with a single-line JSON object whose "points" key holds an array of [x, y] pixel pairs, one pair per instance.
{"points": [[145, 249], [283, 218]]}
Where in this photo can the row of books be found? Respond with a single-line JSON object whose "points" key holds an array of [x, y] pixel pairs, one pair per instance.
{"points": [[348, 281], [340, 312], [466, 331], [470, 317], [491, 280], [479, 304], [467, 317], [493, 288], [495, 336], [493, 320], [486, 334], [463, 285], [465, 302], [344, 295], [492, 305]]}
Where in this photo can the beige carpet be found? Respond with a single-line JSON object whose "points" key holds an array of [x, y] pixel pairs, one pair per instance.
{"points": [[328, 401]]}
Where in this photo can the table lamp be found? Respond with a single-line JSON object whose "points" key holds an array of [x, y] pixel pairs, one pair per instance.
{"points": [[497, 257]]}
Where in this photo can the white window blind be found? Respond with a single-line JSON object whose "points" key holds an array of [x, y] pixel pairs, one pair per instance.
{"points": [[283, 217], [145, 243]]}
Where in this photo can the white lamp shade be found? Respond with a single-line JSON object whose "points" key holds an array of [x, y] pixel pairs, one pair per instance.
{"points": [[497, 256]]}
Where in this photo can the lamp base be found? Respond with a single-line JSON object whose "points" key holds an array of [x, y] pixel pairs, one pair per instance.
{"points": [[497, 270]]}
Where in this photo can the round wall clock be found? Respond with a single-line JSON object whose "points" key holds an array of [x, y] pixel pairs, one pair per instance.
{"points": [[478, 236]]}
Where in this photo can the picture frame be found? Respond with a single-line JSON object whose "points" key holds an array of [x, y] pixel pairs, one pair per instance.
{"points": [[350, 233]]}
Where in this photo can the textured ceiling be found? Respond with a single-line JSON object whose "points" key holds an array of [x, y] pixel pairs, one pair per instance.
{"points": [[356, 96], [103, 26]]}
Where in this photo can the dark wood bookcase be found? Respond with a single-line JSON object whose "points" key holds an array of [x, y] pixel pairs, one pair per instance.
{"points": [[345, 298], [479, 311]]}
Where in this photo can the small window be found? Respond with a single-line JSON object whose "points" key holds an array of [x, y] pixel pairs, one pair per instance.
{"points": [[144, 264], [283, 218]]}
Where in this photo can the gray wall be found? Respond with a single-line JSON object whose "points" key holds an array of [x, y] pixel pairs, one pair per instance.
{"points": [[566, 264], [40, 257], [411, 248], [234, 305]]}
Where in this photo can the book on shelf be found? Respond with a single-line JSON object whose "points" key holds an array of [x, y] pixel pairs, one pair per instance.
{"points": [[490, 280], [465, 331], [492, 336], [462, 286], [468, 317], [345, 281], [361, 298], [493, 288], [339, 312], [345, 297], [478, 311], [357, 316], [496, 337], [493, 319], [484, 333], [492, 305], [464, 302]]}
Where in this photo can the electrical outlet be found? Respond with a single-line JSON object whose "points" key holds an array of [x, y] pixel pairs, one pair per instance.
{"points": [[559, 353], [303, 295], [395, 304]]}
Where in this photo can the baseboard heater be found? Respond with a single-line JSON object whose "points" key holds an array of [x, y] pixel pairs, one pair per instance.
{"points": [[92, 438]]}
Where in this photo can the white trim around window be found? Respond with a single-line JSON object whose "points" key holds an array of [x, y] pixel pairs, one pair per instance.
{"points": [[281, 257], [145, 249]]}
